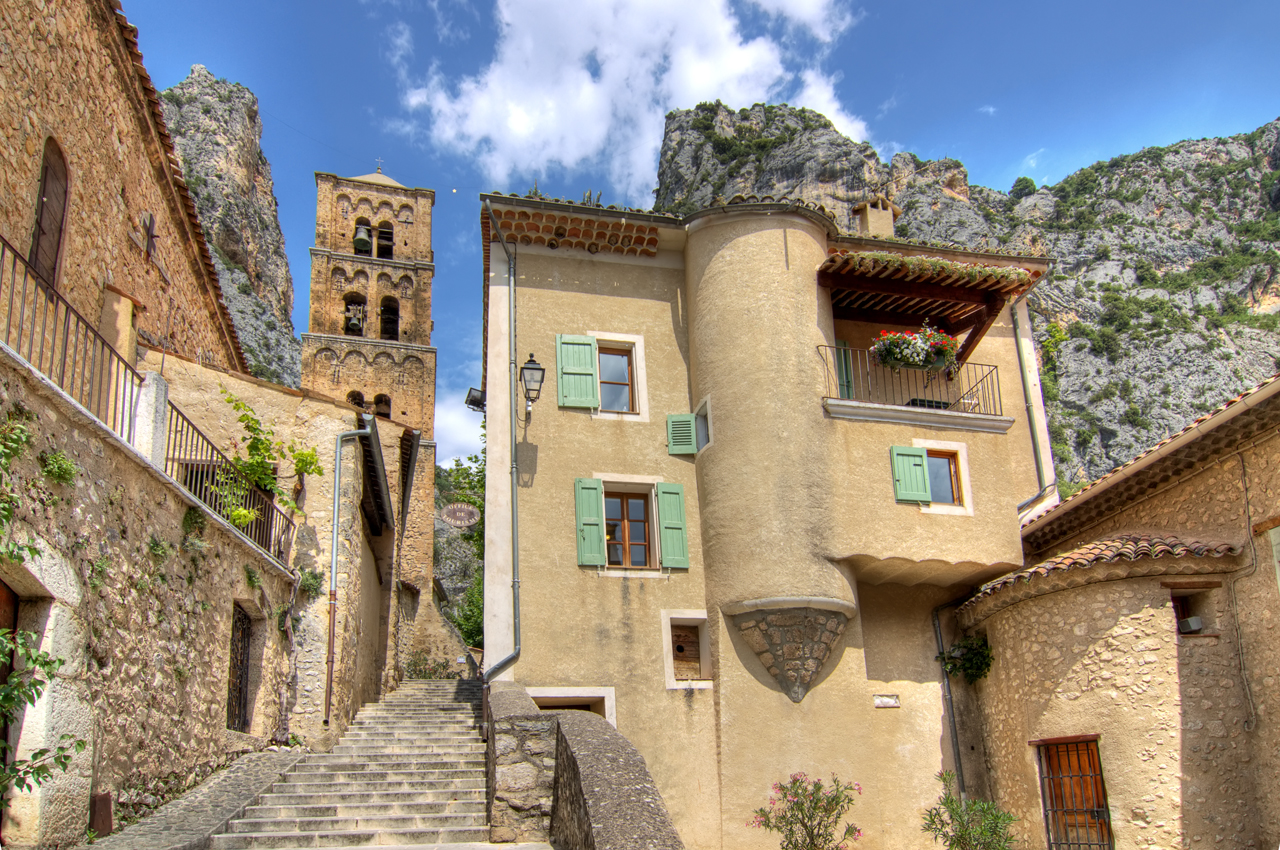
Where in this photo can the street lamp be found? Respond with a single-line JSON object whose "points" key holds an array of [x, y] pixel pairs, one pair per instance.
{"points": [[531, 375]]}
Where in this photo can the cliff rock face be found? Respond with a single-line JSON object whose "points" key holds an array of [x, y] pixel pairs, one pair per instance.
{"points": [[217, 133], [1164, 298]]}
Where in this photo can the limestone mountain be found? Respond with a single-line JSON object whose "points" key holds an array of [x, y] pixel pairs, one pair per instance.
{"points": [[1163, 302], [217, 132]]}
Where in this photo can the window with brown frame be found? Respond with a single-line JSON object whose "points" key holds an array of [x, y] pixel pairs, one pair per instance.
{"points": [[944, 478], [626, 530], [51, 207], [617, 388], [1076, 816]]}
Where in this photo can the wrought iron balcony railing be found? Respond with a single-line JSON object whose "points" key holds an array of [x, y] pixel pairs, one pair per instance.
{"points": [[854, 374]]}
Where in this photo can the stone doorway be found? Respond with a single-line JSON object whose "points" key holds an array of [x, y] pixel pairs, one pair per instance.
{"points": [[8, 620], [238, 676]]}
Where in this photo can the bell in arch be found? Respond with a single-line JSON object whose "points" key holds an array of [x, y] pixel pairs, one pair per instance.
{"points": [[363, 242]]}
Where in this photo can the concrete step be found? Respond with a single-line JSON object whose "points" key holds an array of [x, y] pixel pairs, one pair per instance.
{"points": [[356, 797], [381, 823], [349, 838], [420, 780], [388, 761], [369, 809], [407, 749]]}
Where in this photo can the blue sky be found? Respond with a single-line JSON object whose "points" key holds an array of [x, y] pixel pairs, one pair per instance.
{"points": [[465, 96]]}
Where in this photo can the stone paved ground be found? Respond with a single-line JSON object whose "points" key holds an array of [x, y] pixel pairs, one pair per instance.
{"points": [[187, 822]]}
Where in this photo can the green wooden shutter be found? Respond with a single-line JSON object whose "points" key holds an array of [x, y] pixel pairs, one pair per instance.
{"points": [[577, 376], [673, 533], [910, 474], [682, 434], [844, 368], [588, 503]]}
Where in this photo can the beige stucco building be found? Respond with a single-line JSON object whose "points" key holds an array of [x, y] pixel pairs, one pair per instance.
{"points": [[746, 543], [765, 606]]}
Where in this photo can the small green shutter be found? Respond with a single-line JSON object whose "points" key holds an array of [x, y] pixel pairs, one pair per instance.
{"points": [[682, 434], [577, 378], [844, 368], [674, 537], [910, 474], [588, 503]]}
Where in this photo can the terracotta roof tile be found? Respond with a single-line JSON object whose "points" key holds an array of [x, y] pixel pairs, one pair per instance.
{"points": [[1126, 548]]}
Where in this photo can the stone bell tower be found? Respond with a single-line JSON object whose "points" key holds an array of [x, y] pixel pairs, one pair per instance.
{"points": [[370, 325]]}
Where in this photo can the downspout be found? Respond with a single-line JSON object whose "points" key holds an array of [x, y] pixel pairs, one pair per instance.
{"points": [[497, 668], [1045, 488], [333, 562], [946, 692]]}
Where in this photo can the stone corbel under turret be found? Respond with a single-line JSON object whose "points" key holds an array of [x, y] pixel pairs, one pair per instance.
{"points": [[793, 637]]}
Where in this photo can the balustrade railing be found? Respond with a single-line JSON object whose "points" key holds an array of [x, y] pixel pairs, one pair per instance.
{"points": [[205, 472], [59, 343], [854, 374]]}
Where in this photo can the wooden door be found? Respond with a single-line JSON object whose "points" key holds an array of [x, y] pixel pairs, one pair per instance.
{"points": [[1076, 816], [238, 677], [8, 620]]}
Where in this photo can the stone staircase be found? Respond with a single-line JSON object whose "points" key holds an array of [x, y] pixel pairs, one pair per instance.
{"points": [[409, 772]]}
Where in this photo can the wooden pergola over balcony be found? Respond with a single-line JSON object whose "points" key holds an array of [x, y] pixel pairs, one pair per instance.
{"points": [[905, 285]]}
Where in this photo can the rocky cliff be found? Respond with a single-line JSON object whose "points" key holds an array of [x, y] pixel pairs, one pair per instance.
{"points": [[217, 132], [1164, 297]]}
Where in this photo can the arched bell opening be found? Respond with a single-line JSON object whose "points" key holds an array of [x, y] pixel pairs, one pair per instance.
{"points": [[386, 241], [382, 406], [362, 241], [389, 316], [353, 314], [356, 399]]}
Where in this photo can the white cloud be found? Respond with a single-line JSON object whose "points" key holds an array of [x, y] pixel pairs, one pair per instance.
{"points": [[457, 428], [987, 110], [589, 86], [1032, 159], [825, 19], [885, 106], [818, 92]]}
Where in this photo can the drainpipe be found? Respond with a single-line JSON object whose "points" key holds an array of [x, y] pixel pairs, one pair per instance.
{"points": [[333, 561], [946, 692], [1045, 488], [495, 669]]}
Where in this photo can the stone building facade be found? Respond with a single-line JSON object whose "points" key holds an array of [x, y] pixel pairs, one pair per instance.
{"points": [[765, 605], [1145, 626], [187, 638]]}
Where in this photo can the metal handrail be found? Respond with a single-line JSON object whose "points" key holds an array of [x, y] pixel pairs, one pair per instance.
{"points": [[854, 374], [205, 472], [44, 329]]}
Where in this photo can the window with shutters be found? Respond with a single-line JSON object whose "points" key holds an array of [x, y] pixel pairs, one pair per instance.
{"points": [[687, 650], [932, 474], [630, 523], [603, 372], [51, 210]]}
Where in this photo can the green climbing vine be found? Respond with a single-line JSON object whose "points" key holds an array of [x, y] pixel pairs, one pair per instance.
{"points": [[258, 455]]}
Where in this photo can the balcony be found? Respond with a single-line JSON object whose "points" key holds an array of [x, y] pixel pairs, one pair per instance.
{"points": [[859, 388]]}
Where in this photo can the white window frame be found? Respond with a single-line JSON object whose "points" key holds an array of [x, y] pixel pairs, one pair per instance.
{"points": [[703, 410], [635, 344], [548, 697], [646, 485], [686, 617], [961, 451]]}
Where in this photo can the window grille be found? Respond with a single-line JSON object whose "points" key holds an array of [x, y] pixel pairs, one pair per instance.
{"points": [[1076, 816]]}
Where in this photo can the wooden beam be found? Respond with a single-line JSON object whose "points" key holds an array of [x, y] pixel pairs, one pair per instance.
{"points": [[989, 316], [902, 288], [889, 317]]}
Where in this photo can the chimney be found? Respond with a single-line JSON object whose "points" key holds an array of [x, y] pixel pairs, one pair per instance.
{"points": [[875, 217]]}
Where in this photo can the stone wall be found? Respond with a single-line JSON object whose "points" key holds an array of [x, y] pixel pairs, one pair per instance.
{"points": [[1220, 501], [73, 79], [605, 798], [521, 765], [337, 366], [140, 609]]}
